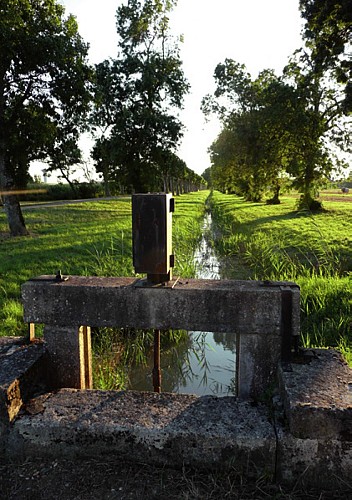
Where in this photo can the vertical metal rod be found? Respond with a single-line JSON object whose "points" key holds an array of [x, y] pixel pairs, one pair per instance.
{"points": [[87, 354], [156, 369]]}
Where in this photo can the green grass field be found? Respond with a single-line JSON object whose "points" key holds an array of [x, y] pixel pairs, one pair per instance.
{"points": [[92, 238], [262, 241], [278, 243]]}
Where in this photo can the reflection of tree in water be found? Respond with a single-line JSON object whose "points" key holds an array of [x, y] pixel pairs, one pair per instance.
{"points": [[172, 359], [197, 349], [176, 365], [228, 340]]}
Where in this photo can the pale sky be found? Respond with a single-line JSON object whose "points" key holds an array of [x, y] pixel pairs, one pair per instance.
{"points": [[258, 33]]}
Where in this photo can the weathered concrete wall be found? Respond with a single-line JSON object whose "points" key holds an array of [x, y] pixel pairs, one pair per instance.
{"points": [[302, 438], [258, 312], [21, 370], [166, 429], [69, 359], [317, 396]]}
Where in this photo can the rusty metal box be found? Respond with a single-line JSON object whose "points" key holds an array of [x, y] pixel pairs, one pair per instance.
{"points": [[152, 235]]}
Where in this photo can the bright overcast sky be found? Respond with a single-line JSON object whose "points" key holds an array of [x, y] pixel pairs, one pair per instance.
{"points": [[259, 33]]}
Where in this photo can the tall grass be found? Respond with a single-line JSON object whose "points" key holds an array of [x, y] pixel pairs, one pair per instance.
{"points": [[278, 243]]}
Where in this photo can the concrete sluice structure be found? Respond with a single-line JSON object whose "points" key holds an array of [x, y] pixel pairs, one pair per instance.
{"points": [[291, 419]]}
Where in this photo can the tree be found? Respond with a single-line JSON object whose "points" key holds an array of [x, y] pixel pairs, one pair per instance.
{"points": [[322, 74], [207, 177], [138, 94], [103, 161], [63, 156], [323, 126], [278, 127], [44, 94], [254, 147], [328, 34]]}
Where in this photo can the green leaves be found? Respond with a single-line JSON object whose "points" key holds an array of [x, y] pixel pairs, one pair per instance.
{"points": [[137, 95], [43, 73], [328, 34], [44, 88]]}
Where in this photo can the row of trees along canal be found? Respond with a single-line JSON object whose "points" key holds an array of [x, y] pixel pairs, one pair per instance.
{"points": [[275, 128], [288, 129]]}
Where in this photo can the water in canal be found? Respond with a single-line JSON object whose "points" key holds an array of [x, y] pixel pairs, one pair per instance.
{"points": [[206, 362]]}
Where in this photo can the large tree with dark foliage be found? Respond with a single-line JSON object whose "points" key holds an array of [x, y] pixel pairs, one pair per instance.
{"points": [[138, 96], [260, 122], [328, 33], [43, 91], [321, 73]]}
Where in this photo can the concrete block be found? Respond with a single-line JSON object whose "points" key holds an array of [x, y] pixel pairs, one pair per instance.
{"points": [[257, 358], [321, 463], [317, 396], [200, 305], [20, 373], [169, 429], [244, 308]]}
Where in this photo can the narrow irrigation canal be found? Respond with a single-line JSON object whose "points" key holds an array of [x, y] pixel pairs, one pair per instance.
{"points": [[205, 363]]}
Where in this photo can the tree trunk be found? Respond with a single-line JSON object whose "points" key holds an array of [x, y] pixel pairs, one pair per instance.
{"points": [[275, 200], [14, 216], [11, 204], [70, 183], [106, 187]]}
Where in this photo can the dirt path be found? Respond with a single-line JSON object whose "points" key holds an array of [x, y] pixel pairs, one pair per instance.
{"points": [[59, 203], [94, 480]]}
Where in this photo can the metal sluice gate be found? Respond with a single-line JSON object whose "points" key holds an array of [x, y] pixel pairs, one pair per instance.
{"points": [[152, 250]]}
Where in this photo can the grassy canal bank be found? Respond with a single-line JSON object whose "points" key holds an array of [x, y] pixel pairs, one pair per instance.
{"points": [[261, 241]]}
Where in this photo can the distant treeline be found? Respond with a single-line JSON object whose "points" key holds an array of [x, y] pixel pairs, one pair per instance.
{"points": [[61, 191]]}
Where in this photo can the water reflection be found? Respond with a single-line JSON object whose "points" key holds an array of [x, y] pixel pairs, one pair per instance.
{"points": [[203, 364], [207, 264], [215, 373]]}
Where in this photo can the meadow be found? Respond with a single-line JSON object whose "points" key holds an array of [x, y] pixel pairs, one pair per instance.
{"points": [[277, 242], [92, 238], [254, 241]]}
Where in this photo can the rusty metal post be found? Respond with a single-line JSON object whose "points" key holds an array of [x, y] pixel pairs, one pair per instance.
{"points": [[156, 369]]}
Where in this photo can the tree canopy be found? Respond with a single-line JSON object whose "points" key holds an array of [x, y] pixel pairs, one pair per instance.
{"points": [[287, 127], [44, 91], [138, 95], [260, 118], [328, 34]]}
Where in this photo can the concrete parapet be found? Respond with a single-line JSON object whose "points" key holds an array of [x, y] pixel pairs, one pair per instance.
{"points": [[265, 315], [289, 441], [69, 362], [248, 307], [324, 463], [21, 371]]}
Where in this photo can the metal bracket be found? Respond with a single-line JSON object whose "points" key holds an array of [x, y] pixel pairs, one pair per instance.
{"points": [[60, 277], [145, 283]]}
